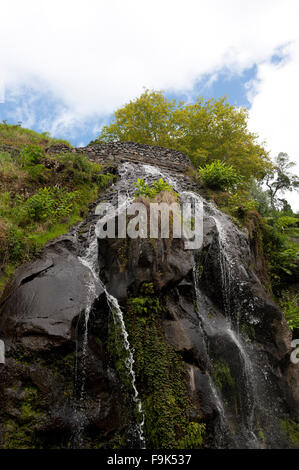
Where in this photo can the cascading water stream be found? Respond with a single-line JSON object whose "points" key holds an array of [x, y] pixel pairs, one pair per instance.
{"points": [[226, 267], [90, 260], [129, 173], [129, 363], [187, 196], [223, 421]]}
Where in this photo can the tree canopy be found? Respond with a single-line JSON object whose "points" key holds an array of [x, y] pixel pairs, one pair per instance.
{"points": [[280, 179], [207, 130]]}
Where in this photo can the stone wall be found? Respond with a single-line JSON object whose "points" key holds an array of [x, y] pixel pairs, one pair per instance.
{"points": [[119, 152]]}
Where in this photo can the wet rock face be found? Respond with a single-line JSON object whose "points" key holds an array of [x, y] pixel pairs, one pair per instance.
{"points": [[213, 315], [46, 297], [40, 382], [127, 264]]}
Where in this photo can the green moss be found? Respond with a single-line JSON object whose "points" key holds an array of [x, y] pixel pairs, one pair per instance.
{"points": [[194, 436], [122, 252], [160, 376], [260, 433], [61, 366], [222, 375], [211, 313], [147, 303], [291, 429], [118, 354], [248, 331], [20, 433], [119, 441]]}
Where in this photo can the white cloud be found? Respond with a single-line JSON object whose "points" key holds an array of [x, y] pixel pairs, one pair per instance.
{"points": [[274, 97], [94, 56]]}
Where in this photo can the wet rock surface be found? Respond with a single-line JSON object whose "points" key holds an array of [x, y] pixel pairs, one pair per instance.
{"points": [[234, 342]]}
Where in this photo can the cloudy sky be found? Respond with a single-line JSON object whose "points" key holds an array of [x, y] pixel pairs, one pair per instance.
{"points": [[66, 65]]}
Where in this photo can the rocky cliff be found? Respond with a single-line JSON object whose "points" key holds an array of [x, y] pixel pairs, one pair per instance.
{"points": [[139, 342]]}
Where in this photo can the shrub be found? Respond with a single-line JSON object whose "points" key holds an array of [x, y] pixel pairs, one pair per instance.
{"points": [[282, 255], [31, 155], [143, 189], [219, 175], [48, 204], [77, 167], [289, 304], [239, 205], [37, 173], [16, 245], [287, 221], [5, 203]]}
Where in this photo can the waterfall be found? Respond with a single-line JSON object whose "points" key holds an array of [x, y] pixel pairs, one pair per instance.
{"points": [[223, 420], [129, 173], [90, 260], [227, 266], [129, 364]]}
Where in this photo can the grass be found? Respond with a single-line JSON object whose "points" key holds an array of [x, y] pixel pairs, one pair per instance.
{"points": [[41, 195], [19, 137]]}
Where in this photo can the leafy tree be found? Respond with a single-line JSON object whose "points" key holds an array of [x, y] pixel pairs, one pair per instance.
{"points": [[147, 120], [260, 197], [206, 131], [280, 179]]}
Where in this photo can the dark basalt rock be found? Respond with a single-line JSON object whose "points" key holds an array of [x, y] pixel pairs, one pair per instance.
{"points": [[40, 314], [46, 297], [231, 334]]}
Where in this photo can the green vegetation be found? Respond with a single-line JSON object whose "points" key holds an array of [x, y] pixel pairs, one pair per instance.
{"points": [[279, 179], [222, 375], [233, 167], [291, 429], [146, 304], [219, 175], [289, 304], [143, 189], [159, 373], [205, 131], [18, 137], [41, 195], [160, 376], [194, 436], [21, 432]]}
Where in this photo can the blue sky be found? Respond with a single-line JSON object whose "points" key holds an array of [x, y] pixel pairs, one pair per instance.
{"points": [[67, 65], [35, 110]]}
